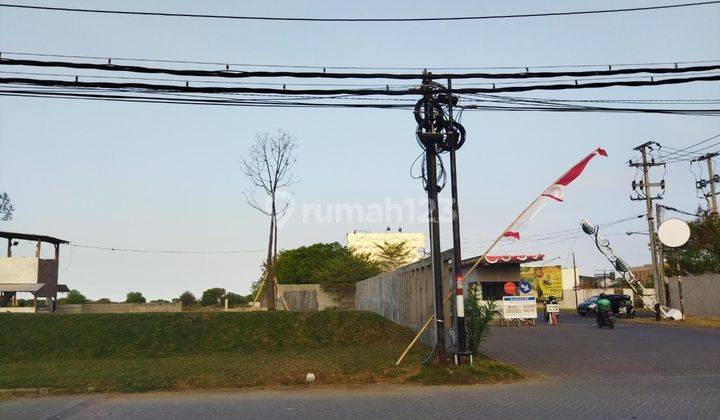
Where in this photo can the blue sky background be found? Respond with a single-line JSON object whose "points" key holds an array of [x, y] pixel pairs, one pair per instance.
{"points": [[167, 176]]}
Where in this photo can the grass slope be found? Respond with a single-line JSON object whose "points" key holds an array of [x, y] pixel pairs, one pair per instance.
{"points": [[143, 352], [80, 336]]}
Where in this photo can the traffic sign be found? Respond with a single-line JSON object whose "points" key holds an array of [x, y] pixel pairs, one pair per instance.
{"points": [[525, 287], [509, 288]]}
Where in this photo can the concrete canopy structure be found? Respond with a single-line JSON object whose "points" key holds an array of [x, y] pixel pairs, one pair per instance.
{"points": [[33, 275]]}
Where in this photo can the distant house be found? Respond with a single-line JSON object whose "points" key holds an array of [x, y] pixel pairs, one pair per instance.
{"points": [[33, 276], [367, 242]]}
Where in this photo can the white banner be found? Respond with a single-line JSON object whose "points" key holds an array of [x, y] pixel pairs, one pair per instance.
{"points": [[519, 307]]}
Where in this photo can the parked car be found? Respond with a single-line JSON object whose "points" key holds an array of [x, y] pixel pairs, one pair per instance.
{"points": [[588, 307]]}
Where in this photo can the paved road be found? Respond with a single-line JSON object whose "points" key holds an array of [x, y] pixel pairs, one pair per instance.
{"points": [[634, 371]]}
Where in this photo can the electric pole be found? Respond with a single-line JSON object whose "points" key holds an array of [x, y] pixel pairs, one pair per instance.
{"points": [[431, 139], [575, 280], [643, 192], [711, 181], [457, 257], [661, 255]]}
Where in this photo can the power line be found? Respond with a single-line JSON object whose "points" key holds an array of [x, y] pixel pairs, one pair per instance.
{"points": [[558, 233], [364, 92], [305, 66], [690, 158], [163, 251], [379, 20], [679, 211], [78, 77], [686, 152], [286, 104], [227, 73]]}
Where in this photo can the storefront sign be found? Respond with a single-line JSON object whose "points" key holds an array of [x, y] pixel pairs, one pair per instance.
{"points": [[546, 280]]}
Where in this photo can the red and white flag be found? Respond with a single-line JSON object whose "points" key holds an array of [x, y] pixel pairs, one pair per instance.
{"points": [[554, 192]]}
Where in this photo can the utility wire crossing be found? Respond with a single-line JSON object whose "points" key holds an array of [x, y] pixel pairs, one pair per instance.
{"points": [[305, 66], [164, 251], [350, 19], [234, 74], [129, 91]]}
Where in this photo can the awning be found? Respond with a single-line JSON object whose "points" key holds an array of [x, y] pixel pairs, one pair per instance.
{"points": [[21, 287], [507, 259], [62, 288], [32, 237], [518, 258]]}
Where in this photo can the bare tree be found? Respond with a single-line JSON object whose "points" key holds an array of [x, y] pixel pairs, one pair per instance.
{"points": [[6, 208], [268, 165]]}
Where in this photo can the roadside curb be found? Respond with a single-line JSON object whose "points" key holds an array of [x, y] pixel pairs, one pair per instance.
{"points": [[25, 392]]}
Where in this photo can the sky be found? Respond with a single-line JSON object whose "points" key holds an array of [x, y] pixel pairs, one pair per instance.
{"points": [[151, 176]]}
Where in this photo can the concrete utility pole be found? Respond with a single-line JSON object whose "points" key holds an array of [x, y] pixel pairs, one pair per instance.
{"points": [[661, 255], [575, 280], [712, 180], [645, 185], [430, 143], [457, 285]]}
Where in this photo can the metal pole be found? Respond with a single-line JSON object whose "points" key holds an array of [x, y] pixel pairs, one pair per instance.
{"points": [[434, 222], [457, 257], [651, 229], [680, 293], [711, 176], [661, 255], [575, 280]]}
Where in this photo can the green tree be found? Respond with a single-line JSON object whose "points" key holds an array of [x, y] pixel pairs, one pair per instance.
{"points": [[235, 300], [340, 274], [212, 297], [135, 297], [187, 298], [103, 300], [701, 254], [298, 266], [74, 297], [392, 255]]}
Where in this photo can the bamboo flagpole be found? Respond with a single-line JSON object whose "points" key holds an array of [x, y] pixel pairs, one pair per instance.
{"points": [[259, 290], [553, 191]]}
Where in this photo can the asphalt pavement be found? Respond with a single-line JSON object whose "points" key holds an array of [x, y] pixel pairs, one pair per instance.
{"points": [[578, 371]]}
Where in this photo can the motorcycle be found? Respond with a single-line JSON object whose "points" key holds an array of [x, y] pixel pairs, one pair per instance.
{"points": [[552, 316], [626, 312], [605, 319]]}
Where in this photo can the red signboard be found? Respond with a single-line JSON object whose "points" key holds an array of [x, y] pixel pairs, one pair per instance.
{"points": [[509, 288]]}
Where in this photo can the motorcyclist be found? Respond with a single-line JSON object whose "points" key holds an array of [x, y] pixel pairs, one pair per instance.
{"points": [[604, 306], [548, 301]]}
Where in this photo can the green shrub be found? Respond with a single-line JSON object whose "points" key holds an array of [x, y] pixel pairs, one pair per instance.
{"points": [[74, 297], [477, 320]]}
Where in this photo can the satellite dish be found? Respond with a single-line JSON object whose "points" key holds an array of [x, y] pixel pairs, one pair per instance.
{"points": [[674, 233]]}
